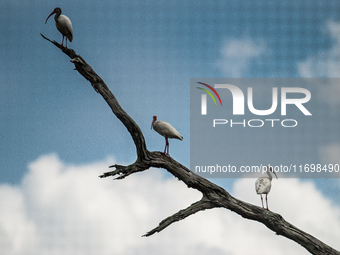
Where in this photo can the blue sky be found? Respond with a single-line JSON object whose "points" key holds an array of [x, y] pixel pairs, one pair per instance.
{"points": [[146, 52]]}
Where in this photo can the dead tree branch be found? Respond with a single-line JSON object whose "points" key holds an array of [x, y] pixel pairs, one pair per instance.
{"points": [[213, 195]]}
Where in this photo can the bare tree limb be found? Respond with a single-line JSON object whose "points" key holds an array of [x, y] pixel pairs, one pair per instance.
{"points": [[201, 205], [213, 195], [98, 84]]}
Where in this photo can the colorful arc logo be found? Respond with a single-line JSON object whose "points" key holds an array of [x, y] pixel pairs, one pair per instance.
{"points": [[209, 93]]}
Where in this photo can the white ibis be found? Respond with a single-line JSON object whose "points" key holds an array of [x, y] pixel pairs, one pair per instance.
{"points": [[263, 185], [63, 24], [165, 129]]}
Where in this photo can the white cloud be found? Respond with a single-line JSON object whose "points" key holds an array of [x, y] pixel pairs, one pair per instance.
{"points": [[326, 64], [237, 54], [17, 231], [66, 209], [330, 154], [300, 203]]}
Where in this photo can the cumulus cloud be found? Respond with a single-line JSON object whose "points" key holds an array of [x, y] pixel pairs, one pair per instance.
{"points": [[237, 54], [330, 154], [326, 64], [300, 203], [66, 209]]}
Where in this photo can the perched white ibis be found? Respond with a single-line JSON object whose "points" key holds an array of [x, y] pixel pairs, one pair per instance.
{"points": [[63, 24], [165, 129], [263, 184]]}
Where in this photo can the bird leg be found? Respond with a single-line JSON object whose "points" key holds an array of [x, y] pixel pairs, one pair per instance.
{"points": [[62, 42], [262, 200], [166, 146], [167, 143], [266, 202]]}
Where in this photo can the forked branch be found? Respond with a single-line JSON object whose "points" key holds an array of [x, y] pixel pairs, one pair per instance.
{"points": [[213, 195]]}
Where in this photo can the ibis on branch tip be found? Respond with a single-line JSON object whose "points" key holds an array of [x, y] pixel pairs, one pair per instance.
{"points": [[165, 129], [263, 184], [63, 24]]}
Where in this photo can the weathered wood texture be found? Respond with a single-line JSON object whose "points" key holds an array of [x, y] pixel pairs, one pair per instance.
{"points": [[213, 196]]}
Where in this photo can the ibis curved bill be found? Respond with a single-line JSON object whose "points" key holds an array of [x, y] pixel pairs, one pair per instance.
{"points": [[165, 129], [264, 184], [63, 24]]}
